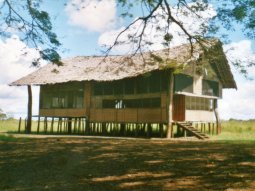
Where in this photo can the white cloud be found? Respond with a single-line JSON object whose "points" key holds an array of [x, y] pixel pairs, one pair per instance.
{"points": [[96, 15], [241, 52], [239, 103], [15, 62], [191, 22]]}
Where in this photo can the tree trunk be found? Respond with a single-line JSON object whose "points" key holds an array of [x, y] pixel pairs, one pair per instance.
{"points": [[218, 123], [170, 107], [29, 110]]}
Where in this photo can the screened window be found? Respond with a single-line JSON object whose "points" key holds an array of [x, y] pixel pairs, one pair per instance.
{"points": [[154, 82], [142, 85], [150, 83], [118, 87], [108, 88], [199, 103], [183, 83], [129, 86], [98, 89], [62, 96], [210, 88], [132, 103]]}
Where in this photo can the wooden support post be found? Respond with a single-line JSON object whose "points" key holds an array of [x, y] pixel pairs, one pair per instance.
{"points": [[136, 130], [29, 110], [149, 130], [218, 123], [45, 124], [185, 133], [69, 125], [122, 129], [170, 107], [87, 126], [58, 129], [38, 125], [83, 125], [25, 124], [178, 131], [104, 129], [161, 130], [19, 124], [196, 126], [52, 125], [79, 125]]}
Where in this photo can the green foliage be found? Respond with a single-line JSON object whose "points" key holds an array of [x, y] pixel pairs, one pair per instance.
{"points": [[230, 13], [2, 114], [33, 26]]}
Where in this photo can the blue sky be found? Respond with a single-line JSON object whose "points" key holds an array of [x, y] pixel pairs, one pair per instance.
{"points": [[82, 32]]}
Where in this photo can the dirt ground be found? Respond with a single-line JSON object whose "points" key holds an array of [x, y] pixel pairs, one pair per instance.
{"points": [[93, 164]]}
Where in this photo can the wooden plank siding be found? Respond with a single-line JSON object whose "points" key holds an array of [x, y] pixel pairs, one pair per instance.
{"points": [[179, 108], [74, 112], [92, 108], [136, 115]]}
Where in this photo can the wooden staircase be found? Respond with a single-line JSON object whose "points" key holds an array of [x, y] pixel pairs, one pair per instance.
{"points": [[193, 131]]}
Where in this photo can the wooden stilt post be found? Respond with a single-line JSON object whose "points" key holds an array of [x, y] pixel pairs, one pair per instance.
{"points": [[38, 125], [149, 130], [29, 110], [45, 124], [218, 123], [136, 129], [79, 125], [122, 129], [25, 124], [69, 125], [170, 106], [52, 124], [161, 130], [60, 124], [104, 128], [19, 124]]}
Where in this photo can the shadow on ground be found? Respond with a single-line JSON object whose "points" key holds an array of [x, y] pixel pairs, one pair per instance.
{"points": [[112, 164]]}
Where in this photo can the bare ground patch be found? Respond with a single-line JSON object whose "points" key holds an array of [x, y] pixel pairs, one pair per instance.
{"points": [[123, 164]]}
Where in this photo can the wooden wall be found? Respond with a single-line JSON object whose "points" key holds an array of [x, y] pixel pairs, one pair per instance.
{"points": [[179, 108], [92, 108], [132, 115]]}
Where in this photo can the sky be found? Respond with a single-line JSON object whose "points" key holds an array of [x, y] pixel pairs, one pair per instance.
{"points": [[82, 32]]}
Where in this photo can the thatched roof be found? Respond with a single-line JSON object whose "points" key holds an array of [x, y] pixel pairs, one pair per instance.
{"points": [[112, 68]]}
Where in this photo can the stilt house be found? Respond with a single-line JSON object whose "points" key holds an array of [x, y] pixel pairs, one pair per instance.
{"points": [[161, 87]]}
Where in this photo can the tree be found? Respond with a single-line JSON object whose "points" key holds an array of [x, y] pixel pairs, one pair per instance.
{"points": [[2, 114], [32, 25], [229, 14]]}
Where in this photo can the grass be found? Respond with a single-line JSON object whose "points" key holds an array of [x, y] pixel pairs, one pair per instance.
{"points": [[237, 130], [231, 130], [10, 125]]}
